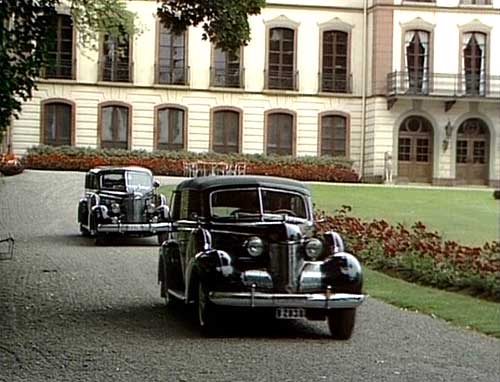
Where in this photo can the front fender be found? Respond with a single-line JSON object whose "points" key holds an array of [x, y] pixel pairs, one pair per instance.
{"points": [[342, 271], [207, 267]]}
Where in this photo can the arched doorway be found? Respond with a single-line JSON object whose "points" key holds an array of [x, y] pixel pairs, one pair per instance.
{"points": [[415, 150], [472, 153]]}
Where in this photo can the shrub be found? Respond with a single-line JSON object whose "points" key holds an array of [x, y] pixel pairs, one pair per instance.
{"points": [[416, 254], [171, 162], [11, 165]]}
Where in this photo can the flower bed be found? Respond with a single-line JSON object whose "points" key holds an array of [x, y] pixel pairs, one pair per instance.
{"points": [[416, 254], [171, 163], [10, 165]]}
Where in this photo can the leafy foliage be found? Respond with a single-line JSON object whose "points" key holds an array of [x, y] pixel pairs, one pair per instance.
{"points": [[25, 34], [171, 162], [224, 22], [416, 254], [23, 30]]}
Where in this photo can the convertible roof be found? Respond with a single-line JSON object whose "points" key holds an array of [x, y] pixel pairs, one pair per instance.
{"points": [[101, 169], [212, 182]]}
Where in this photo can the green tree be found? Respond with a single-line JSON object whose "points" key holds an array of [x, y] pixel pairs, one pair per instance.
{"points": [[224, 22]]}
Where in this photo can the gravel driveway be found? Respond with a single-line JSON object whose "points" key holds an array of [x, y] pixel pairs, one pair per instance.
{"points": [[71, 311]]}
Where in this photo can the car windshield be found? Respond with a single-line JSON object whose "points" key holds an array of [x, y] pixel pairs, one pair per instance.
{"points": [[129, 181], [245, 205], [138, 181]]}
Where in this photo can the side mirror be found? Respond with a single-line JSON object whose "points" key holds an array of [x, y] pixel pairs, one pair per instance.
{"points": [[156, 184]]}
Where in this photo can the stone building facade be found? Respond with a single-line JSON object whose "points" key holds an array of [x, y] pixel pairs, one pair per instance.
{"points": [[366, 79]]}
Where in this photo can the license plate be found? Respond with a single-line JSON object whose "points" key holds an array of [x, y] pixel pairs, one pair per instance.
{"points": [[290, 313]]}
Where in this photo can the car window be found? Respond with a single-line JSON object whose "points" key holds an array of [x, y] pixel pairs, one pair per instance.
{"points": [[276, 202], [113, 181], [175, 206], [190, 205], [235, 204]]}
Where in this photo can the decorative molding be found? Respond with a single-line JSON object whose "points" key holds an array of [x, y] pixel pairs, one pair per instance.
{"points": [[418, 24], [336, 24], [475, 26], [282, 21]]}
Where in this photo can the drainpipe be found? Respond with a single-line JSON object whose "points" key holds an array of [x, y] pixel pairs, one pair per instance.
{"points": [[364, 66]]}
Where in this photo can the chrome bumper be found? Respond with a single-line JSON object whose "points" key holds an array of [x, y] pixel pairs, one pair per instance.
{"points": [[277, 300], [133, 227]]}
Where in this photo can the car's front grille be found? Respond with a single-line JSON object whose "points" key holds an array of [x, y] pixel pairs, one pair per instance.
{"points": [[285, 264], [133, 210]]}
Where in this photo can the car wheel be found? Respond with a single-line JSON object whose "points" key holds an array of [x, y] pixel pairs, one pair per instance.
{"points": [[162, 236], [206, 311], [84, 231], [164, 293], [341, 323]]}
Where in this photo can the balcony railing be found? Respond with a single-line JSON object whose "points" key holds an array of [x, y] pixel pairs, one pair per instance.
{"points": [[475, 2], [442, 85], [281, 80], [330, 83], [60, 69], [227, 78], [168, 75], [116, 72]]}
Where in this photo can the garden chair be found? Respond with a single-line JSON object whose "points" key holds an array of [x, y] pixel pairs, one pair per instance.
{"points": [[241, 168]]}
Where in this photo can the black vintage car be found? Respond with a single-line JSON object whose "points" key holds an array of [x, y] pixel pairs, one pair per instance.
{"points": [[250, 242], [122, 200]]}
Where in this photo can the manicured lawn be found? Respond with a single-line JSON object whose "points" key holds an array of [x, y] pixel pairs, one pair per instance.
{"points": [[469, 217], [461, 310]]}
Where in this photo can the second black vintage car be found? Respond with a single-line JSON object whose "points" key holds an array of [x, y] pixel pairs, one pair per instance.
{"points": [[122, 200], [250, 242]]}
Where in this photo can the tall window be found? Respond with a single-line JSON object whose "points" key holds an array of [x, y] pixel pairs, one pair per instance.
{"points": [[115, 129], [417, 60], [226, 131], [334, 75], [170, 128], [60, 49], [280, 134], [171, 66], [474, 53], [115, 62], [281, 61], [226, 70], [57, 126], [334, 140]]}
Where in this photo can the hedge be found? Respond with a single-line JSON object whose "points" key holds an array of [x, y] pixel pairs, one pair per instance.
{"points": [[307, 168]]}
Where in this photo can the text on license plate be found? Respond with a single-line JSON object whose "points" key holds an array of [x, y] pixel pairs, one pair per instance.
{"points": [[290, 313]]}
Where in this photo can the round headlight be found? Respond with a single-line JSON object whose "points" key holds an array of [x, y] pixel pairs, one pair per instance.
{"points": [[115, 208], [254, 246], [150, 207], [313, 248]]}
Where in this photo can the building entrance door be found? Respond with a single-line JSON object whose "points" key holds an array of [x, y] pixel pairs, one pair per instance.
{"points": [[472, 152], [415, 150]]}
